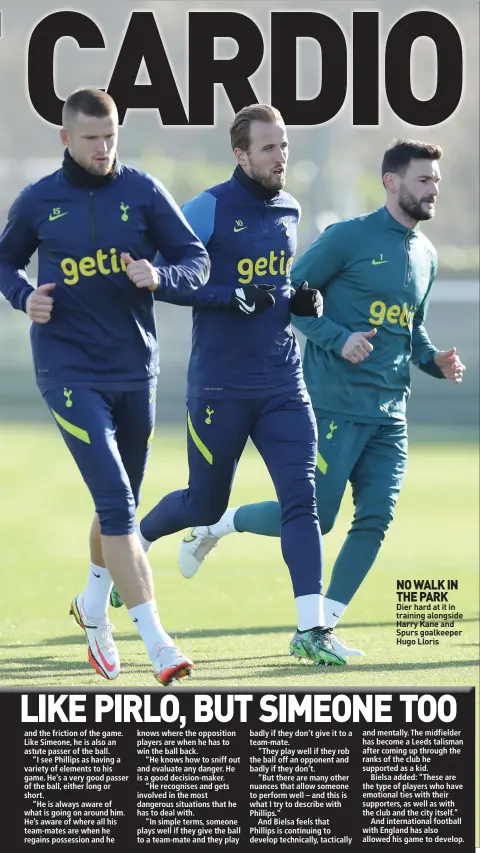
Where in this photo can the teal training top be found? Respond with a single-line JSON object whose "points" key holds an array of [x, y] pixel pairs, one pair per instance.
{"points": [[372, 272]]}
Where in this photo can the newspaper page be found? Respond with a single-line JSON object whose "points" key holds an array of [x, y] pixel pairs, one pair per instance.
{"points": [[239, 296]]}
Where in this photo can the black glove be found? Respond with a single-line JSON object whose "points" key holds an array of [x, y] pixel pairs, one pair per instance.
{"points": [[306, 302], [252, 298]]}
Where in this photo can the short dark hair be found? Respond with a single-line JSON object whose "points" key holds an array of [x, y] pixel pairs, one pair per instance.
{"points": [[240, 127], [90, 102], [400, 152]]}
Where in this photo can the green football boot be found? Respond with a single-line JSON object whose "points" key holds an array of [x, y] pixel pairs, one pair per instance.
{"points": [[315, 645]]}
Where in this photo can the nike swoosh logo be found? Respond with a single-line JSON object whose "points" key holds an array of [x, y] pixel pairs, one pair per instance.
{"points": [[249, 309], [240, 229], [94, 573], [134, 619], [336, 615], [377, 263], [58, 216], [108, 666]]}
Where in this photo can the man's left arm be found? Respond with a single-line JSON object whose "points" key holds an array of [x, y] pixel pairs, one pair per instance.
{"points": [[441, 364]]}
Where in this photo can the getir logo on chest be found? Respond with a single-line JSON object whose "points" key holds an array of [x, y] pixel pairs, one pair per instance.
{"points": [[104, 263], [248, 268], [402, 314]]}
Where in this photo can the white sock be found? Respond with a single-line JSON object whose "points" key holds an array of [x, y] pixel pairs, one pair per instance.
{"points": [[310, 611], [225, 525], [147, 622], [333, 611], [97, 592], [146, 545]]}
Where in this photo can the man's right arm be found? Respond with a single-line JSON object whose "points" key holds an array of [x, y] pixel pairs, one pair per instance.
{"points": [[318, 265], [200, 216], [18, 242]]}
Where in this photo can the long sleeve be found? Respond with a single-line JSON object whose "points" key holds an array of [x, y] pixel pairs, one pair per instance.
{"points": [[322, 332], [18, 243], [199, 213], [318, 265], [186, 266], [423, 351]]}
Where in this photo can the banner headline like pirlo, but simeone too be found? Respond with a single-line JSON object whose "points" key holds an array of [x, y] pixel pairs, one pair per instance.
{"points": [[281, 708]]}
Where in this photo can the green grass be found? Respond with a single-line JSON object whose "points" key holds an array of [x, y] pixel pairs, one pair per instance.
{"points": [[236, 617]]}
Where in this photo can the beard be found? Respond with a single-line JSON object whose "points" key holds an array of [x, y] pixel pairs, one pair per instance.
{"points": [[271, 181], [96, 168], [413, 207]]}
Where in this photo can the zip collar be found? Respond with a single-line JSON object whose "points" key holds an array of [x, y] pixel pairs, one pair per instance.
{"points": [[395, 225], [253, 187], [79, 177]]}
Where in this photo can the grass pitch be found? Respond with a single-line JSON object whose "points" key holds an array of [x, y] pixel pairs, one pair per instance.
{"points": [[236, 617]]}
